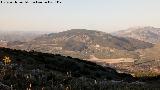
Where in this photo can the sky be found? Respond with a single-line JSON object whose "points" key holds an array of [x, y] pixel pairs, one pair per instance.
{"points": [[102, 15]]}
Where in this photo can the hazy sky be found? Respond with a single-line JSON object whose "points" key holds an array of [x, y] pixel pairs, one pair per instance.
{"points": [[104, 15]]}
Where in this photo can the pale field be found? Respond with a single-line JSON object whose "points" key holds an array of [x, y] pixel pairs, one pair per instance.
{"points": [[111, 61]]}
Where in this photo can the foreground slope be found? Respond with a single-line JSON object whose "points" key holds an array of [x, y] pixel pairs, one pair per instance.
{"points": [[35, 70], [34, 60], [42, 69]]}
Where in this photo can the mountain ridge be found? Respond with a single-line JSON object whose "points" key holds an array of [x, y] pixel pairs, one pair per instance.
{"points": [[147, 34]]}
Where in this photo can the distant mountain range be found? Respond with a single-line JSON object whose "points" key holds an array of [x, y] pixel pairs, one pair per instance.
{"points": [[147, 34], [10, 36]]}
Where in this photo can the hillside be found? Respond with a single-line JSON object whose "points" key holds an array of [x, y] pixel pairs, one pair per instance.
{"points": [[58, 63], [83, 43], [42, 69], [71, 38], [35, 70], [148, 63], [147, 34], [151, 53]]}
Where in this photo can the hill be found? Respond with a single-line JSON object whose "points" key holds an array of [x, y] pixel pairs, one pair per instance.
{"points": [[59, 63], [147, 34], [35, 70], [151, 53], [83, 43], [42, 69]]}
